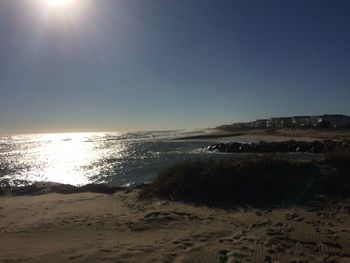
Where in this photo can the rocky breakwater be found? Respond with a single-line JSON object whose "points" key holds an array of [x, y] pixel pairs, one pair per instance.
{"points": [[282, 147]]}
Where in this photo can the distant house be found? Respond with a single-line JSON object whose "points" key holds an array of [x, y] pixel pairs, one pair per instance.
{"points": [[335, 120], [302, 121], [262, 124], [286, 122], [249, 125], [274, 123], [282, 122], [314, 121]]}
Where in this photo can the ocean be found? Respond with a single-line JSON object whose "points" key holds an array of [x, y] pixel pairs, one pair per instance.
{"points": [[113, 158]]}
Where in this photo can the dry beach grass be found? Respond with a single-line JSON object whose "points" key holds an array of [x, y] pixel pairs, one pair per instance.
{"points": [[256, 180]]}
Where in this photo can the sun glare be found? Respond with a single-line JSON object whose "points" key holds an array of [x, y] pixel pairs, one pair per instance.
{"points": [[62, 11], [59, 3]]}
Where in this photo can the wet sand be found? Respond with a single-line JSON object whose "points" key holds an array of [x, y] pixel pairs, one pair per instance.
{"points": [[95, 227]]}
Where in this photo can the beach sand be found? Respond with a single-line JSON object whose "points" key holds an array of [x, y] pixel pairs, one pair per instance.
{"points": [[271, 136], [90, 227]]}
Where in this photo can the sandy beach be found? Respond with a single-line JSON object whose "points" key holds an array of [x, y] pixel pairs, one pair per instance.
{"points": [[271, 136], [90, 227]]}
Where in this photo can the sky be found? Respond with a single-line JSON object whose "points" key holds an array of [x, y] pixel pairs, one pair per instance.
{"points": [[118, 65]]}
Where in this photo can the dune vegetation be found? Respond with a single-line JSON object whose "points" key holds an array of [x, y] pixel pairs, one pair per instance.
{"points": [[256, 181]]}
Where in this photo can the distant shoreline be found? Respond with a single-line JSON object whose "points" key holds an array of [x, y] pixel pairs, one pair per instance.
{"points": [[212, 134], [271, 135]]}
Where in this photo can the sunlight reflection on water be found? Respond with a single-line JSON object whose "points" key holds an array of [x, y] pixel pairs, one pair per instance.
{"points": [[82, 158], [64, 156]]}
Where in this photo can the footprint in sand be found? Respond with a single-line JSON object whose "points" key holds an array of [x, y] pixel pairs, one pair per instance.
{"points": [[160, 218], [294, 216], [235, 256], [183, 243], [223, 257], [258, 224]]}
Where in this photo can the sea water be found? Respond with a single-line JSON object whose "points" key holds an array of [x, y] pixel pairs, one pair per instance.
{"points": [[114, 158]]}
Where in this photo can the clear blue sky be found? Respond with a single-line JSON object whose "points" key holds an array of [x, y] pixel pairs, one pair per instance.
{"points": [[168, 64]]}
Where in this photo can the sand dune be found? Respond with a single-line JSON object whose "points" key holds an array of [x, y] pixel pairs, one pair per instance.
{"points": [[90, 227]]}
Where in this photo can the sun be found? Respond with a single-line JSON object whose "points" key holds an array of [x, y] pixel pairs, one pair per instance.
{"points": [[59, 3], [62, 12]]}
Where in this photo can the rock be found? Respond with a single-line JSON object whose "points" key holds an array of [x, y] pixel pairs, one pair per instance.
{"points": [[281, 147]]}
